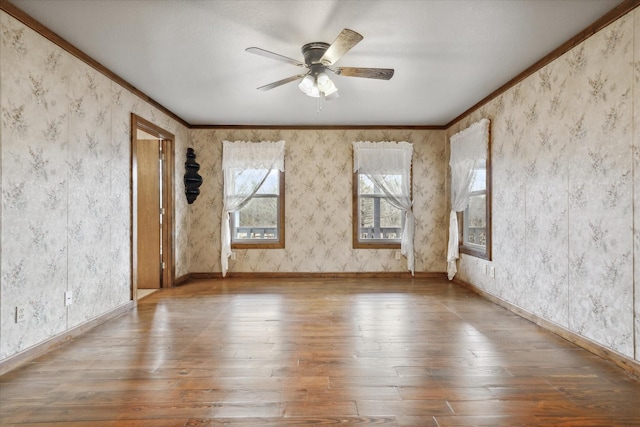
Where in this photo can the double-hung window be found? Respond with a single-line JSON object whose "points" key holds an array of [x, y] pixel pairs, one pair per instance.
{"points": [[382, 205], [379, 223], [253, 202], [474, 217], [259, 223]]}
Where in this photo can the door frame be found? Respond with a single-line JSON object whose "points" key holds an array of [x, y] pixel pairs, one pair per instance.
{"points": [[168, 223]]}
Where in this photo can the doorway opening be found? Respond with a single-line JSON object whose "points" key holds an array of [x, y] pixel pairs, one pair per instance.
{"points": [[152, 223]]}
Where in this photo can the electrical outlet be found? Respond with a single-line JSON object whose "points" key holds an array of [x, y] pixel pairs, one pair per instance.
{"points": [[492, 272], [233, 256], [398, 255], [21, 313], [68, 298]]}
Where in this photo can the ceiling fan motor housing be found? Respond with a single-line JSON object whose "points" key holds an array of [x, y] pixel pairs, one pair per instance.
{"points": [[313, 52]]}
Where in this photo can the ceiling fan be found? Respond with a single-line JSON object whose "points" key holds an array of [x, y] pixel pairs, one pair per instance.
{"points": [[320, 57]]}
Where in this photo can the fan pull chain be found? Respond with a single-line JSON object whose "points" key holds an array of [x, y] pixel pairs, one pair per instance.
{"points": [[320, 103]]}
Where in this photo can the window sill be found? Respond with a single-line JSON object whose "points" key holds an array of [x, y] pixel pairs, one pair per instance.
{"points": [[376, 245], [478, 252], [258, 245]]}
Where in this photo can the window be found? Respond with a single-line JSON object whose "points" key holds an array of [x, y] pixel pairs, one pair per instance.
{"points": [[475, 219], [253, 198], [260, 222], [470, 194], [378, 222], [382, 205]]}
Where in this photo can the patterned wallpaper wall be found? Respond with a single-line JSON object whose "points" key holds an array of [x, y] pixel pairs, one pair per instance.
{"points": [[565, 161], [65, 188], [318, 210]]}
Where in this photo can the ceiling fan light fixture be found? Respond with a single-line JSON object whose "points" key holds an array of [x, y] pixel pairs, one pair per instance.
{"points": [[333, 95], [307, 84], [318, 85], [324, 82], [315, 92]]}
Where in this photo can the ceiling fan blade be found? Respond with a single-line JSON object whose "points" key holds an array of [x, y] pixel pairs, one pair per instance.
{"points": [[341, 45], [369, 73], [271, 55], [281, 82]]}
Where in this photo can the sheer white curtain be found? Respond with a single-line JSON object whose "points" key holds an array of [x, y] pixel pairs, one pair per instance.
{"points": [[381, 162], [245, 166], [468, 148]]}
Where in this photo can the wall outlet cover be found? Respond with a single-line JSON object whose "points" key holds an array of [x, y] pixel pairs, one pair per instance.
{"points": [[21, 313]]}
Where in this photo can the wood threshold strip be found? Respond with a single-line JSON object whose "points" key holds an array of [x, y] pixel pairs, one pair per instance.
{"points": [[618, 359], [44, 347], [610, 17], [45, 32]]}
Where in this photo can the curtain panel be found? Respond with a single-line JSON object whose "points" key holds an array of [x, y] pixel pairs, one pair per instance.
{"points": [[468, 147], [378, 160], [245, 167]]}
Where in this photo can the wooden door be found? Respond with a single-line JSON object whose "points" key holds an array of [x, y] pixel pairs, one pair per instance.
{"points": [[149, 167], [152, 224]]}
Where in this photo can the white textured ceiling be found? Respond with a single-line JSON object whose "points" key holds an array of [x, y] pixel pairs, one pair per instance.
{"points": [[189, 55]]}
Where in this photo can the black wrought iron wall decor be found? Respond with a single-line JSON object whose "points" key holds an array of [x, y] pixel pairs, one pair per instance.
{"points": [[192, 180]]}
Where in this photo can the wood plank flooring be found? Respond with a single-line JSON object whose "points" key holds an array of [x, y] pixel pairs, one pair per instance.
{"points": [[392, 353]]}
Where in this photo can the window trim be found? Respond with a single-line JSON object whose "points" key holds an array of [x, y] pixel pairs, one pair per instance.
{"points": [[373, 243], [473, 250], [266, 243]]}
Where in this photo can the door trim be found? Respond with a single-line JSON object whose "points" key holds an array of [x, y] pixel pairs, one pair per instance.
{"points": [[168, 273]]}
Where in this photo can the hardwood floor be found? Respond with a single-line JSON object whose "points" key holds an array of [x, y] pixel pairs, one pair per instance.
{"points": [[319, 352]]}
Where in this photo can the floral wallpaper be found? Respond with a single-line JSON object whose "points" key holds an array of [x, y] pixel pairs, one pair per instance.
{"points": [[565, 161], [318, 210], [65, 176]]}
